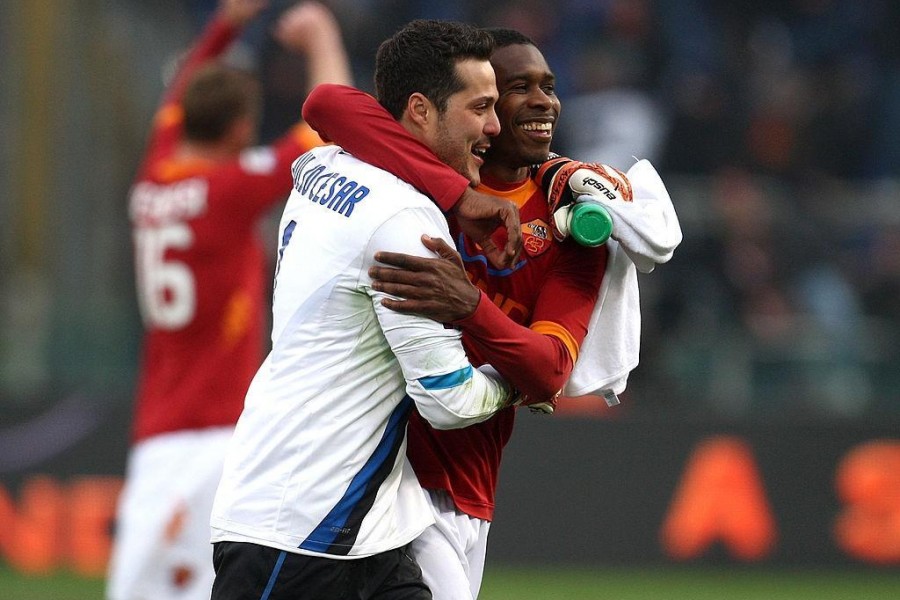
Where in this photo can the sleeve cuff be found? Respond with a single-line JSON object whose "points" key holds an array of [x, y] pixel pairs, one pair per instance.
{"points": [[452, 193], [480, 322]]}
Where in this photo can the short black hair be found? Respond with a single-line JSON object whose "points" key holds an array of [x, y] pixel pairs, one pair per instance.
{"points": [[504, 37], [421, 57]]}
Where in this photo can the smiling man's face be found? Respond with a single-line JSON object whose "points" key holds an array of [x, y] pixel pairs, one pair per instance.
{"points": [[528, 109], [460, 135]]}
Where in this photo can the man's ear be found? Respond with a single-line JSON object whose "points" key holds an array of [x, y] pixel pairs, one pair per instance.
{"points": [[420, 109]]}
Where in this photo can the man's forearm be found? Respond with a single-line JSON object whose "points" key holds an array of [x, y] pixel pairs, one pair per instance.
{"points": [[537, 365]]}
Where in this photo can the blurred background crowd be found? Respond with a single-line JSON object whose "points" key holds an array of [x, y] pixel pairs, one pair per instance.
{"points": [[776, 126]]}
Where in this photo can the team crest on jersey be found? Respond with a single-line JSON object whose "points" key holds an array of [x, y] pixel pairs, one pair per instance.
{"points": [[536, 237]]}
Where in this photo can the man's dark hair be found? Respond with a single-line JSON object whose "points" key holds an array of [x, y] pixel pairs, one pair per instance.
{"points": [[421, 57], [504, 37], [215, 98]]}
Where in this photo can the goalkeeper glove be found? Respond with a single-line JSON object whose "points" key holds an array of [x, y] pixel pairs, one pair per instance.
{"points": [[566, 182]]}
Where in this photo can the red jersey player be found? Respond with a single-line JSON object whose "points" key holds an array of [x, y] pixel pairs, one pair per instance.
{"points": [[528, 320], [201, 283]]}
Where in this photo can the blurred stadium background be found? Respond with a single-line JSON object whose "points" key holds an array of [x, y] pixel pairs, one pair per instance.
{"points": [[757, 448]]}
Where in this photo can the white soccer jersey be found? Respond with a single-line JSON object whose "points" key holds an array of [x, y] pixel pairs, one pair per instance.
{"points": [[318, 462]]}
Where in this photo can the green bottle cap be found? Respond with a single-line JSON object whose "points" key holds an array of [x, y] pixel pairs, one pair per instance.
{"points": [[590, 224]]}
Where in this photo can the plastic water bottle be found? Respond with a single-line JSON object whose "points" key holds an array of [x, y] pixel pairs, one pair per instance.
{"points": [[589, 223]]}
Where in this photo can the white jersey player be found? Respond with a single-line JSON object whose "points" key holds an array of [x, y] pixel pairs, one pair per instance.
{"points": [[317, 463], [317, 468]]}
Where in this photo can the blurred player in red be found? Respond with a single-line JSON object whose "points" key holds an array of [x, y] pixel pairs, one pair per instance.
{"points": [[201, 283], [528, 320]]}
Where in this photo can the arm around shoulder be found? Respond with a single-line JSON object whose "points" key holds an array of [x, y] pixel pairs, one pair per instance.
{"points": [[447, 390]]}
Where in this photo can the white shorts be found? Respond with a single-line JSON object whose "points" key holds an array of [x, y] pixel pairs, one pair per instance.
{"points": [[451, 552], [161, 547]]}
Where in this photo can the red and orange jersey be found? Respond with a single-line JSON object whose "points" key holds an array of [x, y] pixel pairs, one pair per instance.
{"points": [[552, 291], [199, 265], [536, 314]]}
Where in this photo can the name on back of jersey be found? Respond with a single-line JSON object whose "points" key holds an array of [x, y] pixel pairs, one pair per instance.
{"points": [[327, 188], [159, 204]]}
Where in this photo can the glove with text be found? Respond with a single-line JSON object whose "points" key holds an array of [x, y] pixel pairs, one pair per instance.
{"points": [[566, 181]]}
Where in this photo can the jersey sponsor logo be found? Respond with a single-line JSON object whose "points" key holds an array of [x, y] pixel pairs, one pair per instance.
{"points": [[326, 188], [536, 237]]}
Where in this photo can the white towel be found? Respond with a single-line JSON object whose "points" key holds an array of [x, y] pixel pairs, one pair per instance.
{"points": [[645, 233], [647, 228]]}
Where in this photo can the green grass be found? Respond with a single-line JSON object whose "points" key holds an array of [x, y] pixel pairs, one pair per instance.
{"points": [[552, 583], [59, 586], [688, 583]]}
